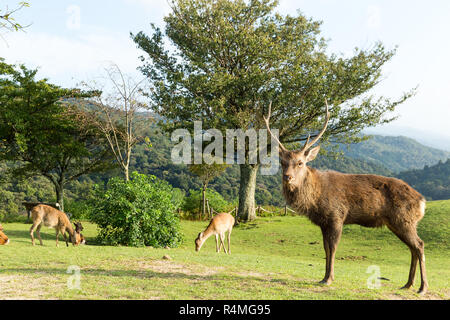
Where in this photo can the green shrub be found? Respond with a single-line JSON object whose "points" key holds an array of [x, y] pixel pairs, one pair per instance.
{"points": [[140, 212], [193, 202], [78, 209]]}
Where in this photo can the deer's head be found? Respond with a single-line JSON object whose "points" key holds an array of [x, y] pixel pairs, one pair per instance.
{"points": [[293, 163], [77, 236], [199, 241]]}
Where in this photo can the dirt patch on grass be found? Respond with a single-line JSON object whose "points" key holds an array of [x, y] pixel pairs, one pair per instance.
{"points": [[353, 258], [251, 274], [24, 287], [168, 266]]}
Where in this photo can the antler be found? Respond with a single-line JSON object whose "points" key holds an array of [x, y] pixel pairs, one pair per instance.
{"points": [[309, 144], [268, 127]]}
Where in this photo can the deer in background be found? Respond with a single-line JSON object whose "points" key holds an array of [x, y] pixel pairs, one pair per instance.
{"points": [[220, 224], [52, 218], [78, 229], [331, 199], [3, 238]]}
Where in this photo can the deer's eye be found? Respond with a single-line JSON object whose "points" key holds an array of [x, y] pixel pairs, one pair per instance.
{"points": [[300, 164]]}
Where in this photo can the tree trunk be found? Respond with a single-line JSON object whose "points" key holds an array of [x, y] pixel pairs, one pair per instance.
{"points": [[203, 200], [59, 188], [246, 211], [126, 173]]}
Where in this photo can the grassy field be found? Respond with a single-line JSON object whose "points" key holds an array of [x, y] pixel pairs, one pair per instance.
{"points": [[272, 258]]}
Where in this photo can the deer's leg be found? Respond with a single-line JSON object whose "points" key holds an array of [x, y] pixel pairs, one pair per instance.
{"points": [[217, 243], [423, 274], [222, 236], [333, 235], [412, 270], [65, 237], [327, 256], [38, 232], [57, 237], [409, 236], [229, 241], [33, 227]]}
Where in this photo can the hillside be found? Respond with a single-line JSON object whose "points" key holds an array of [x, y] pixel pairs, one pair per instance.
{"points": [[431, 181], [157, 161], [396, 153]]}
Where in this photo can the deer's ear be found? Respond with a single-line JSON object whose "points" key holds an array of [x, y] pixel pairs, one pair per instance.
{"points": [[312, 154]]}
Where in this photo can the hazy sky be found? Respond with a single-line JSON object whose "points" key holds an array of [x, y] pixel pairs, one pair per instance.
{"points": [[73, 40]]}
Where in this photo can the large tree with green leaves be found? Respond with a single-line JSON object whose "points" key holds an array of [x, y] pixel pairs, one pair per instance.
{"points": [[229, 59], [40, 136]]}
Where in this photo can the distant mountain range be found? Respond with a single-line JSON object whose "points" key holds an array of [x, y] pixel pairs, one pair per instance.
{"points": [[439, 141], [379, 155], [383, 155], [395, 153], [432, 181]]}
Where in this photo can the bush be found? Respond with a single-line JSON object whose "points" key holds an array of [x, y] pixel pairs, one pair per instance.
{"points": [[193, 202], [78, 209], [140, 212]]}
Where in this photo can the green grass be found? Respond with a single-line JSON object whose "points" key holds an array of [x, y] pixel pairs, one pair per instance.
{"points": [[272, 258]]}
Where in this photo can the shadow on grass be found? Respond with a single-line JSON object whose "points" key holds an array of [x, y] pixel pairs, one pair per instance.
{"points": [[152, 274], [47, 235]]}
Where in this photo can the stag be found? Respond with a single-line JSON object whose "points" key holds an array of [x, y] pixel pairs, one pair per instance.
{"points": [[332, 199]]}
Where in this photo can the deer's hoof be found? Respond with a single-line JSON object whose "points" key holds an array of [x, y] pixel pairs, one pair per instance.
{"points": [[406, 287], [326, 282], [422, 291]]}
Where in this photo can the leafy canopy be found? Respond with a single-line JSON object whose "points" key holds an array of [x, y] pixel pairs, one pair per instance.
{"points": [[228, 59], [38, 132]]}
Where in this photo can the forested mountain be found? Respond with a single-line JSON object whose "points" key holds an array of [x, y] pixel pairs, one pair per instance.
{"points": [[369, 157], [396, 153], [431, 181]]}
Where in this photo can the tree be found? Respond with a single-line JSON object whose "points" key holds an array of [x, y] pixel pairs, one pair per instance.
{"points": [[7, 20], [40, 135], [229, 60], [118, 114], [206, 172]]}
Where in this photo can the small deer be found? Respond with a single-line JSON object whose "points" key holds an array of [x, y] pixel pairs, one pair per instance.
{"points": [[3, 238], [221, 223], [78, 229], [52, 218], [331, 199]]}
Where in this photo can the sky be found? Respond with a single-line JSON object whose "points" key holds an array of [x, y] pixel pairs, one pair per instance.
{"points": [[73, 40]]}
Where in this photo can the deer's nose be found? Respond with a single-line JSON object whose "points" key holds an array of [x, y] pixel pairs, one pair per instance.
{"points": [[287, 177]]}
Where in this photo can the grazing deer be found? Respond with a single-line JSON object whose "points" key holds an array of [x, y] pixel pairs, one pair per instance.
{"points": [[53, 218], [331, 199], [221, 223], [3, 238], [78, 229]]}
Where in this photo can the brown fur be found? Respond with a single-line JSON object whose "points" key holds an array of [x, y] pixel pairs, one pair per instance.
{"points": [[53, 218], [219, 224], [3, 238], [331, 199], [78, 229]]}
